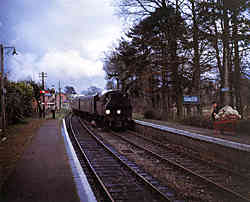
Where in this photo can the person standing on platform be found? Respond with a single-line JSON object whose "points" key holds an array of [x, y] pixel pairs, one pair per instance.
{"points": [[53, 110], [215, 110]]}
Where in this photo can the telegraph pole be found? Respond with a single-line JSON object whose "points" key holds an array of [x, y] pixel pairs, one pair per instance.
{"points": [[2, 90], [60, 99], [43, 76]]}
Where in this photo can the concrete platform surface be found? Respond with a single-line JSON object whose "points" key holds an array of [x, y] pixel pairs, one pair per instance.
{"points": [[231, 150], [194, 131], [43, 173]]}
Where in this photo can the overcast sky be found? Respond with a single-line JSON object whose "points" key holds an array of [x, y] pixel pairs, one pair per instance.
{"points": [[64, 38]]}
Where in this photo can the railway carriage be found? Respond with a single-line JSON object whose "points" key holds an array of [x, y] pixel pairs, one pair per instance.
{"points": [[110, 108]]}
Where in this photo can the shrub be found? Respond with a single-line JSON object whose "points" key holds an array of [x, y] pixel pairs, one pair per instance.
{"points": [[148, 114], [198, 121], [19, 101], [243, 126]]}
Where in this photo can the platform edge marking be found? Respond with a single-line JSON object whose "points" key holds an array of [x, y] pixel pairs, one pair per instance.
{"points": [[84, 184], [234, 145]]}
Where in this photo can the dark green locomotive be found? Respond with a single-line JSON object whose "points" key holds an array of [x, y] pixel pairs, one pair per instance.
{"points": [[111, 108]]}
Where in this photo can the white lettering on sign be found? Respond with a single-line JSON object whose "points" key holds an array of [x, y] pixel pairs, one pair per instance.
{"points": [[191, 99], [224, 89]]}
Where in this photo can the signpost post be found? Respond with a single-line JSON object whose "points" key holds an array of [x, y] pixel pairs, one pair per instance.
{"points": [[190, 100]]}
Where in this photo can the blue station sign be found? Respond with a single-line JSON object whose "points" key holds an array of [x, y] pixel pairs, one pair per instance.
{"points": [[191, 100]]}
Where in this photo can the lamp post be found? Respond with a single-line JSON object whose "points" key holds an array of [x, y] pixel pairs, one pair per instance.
{"points": [[2, 84]]}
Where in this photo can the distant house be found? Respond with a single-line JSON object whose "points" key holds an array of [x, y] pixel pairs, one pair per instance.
{"points": [[54, 99]]}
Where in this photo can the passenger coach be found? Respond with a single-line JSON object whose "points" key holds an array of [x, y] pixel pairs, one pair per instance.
{"points": [[110, 108]]}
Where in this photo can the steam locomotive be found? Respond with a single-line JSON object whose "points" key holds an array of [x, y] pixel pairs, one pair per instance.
{"points": [[109, 109]]}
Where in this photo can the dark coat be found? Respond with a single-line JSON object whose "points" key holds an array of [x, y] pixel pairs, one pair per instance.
{"points": [[216, 111]]}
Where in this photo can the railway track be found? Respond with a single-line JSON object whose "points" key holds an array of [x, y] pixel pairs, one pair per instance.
{"points": [[97, 190], [118, 178], [233, 186]]}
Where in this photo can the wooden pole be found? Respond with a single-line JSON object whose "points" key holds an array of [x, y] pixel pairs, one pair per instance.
{"points": [[2, 89]]}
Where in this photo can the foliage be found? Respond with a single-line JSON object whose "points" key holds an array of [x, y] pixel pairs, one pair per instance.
{"points": [[92, 90], [69, 90], [174, 48], [198, 121], [36, 93], [18, 101], [148, 114], [243, 126]]}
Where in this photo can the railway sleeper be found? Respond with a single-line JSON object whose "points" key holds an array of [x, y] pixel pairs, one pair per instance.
{"points": [[187, 162], [121, 188], [110, 174], [238, 186], [125, 184], [109, 167], [203, 171], [244, 191]]}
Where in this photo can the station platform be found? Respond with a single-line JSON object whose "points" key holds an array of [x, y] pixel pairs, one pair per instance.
{"points": [[230, 150], [46, 170], [238, 138]]}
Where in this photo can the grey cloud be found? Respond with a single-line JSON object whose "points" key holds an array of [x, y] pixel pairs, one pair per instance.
{"points": [[53, 35]]}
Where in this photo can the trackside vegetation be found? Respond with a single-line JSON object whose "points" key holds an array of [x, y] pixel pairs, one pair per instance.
{"points": [[182, 48], [20, 100]]}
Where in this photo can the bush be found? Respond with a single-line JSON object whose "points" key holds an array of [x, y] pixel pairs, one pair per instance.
{"points": [[19, 102], [243, 126], [198, 121], [148, 114]]}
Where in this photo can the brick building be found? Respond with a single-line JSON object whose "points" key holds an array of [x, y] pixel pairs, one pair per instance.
{"points": [[51, 99]]}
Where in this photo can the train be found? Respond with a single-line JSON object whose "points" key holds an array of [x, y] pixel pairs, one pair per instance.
{"points": [[108, 109]]}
